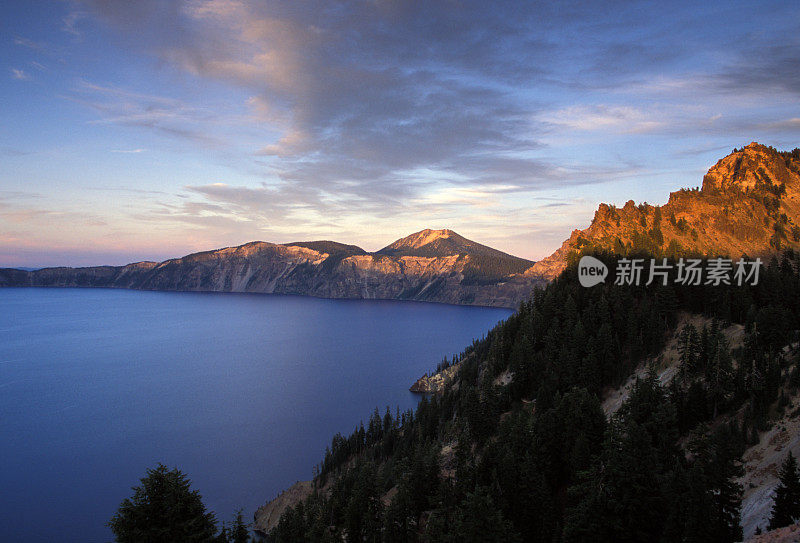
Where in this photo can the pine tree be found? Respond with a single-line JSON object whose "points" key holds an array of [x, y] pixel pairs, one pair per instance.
{"points": [[239, 532], [163, 509], [786, 509], [689, 350], [712, 502], [479, 521], [622, 497], [719, 374]]}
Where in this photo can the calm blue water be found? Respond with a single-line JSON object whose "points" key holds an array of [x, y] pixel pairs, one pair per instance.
{"points": [[241, 392]]}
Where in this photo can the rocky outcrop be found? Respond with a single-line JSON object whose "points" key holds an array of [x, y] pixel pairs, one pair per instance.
{"points": [[749, 204], [268, 515], [787, 534], [761, 464], [436, 382], [465, 273]]}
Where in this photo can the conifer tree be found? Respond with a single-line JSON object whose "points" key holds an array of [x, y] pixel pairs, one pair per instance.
{"points": [[689, 350], [786, 509], [239, 532], [713, 498], [163, 509], [719, 374]]}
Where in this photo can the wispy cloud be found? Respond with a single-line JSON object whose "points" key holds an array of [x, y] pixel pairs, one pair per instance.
{"points": [[788, 125], [621, 119], [30, 44], [69, 23], [357, 96], [165, 115], [357, 104], [20, 75], [15, 209]]}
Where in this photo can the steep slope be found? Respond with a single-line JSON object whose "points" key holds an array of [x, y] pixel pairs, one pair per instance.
{"points": [[554, 426], [318, 268], [749, 203]]}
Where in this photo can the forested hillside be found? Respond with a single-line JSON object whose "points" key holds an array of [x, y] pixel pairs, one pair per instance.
{"points": [[537, 459]]}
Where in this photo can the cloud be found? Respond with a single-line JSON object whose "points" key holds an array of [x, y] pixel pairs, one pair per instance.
{"points": [[788, 125], [30, 44], [143, 192], [618, 119], [766, 68], [362, 89], [703, 150], [20, 75], [354, 96], [69, 23], [15, 210], [128, 151], [167, 116]]}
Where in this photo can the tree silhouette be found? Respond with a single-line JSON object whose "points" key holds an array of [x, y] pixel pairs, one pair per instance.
{"points": [[786, 508], [163, 509]]}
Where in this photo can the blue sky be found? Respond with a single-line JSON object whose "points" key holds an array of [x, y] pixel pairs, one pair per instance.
{"points": [[151, 129]]}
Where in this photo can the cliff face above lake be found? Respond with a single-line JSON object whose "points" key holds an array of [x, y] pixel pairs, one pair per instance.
{"points": [[749, 203], [434, 266]]}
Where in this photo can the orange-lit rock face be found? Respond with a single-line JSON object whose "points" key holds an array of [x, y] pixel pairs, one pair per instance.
{"points": [[743, 170], [749, 204]]}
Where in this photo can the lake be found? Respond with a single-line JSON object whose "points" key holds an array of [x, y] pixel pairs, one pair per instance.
{"points": [[242, 392]]}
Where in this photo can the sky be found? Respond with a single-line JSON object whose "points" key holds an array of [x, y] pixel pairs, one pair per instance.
{"points": [[152, 129]]}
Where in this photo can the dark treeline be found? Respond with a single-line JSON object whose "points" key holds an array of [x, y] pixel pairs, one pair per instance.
{"points": [[537, 460], [488, 269]]}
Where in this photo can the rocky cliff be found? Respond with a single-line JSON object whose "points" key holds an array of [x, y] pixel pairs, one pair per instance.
{"points": [[749, 203], [433, 265], [268, 515]]}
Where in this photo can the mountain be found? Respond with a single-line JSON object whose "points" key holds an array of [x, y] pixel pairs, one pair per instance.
{"points": [[434, 243], [749, 204], [483, 265], [432, 265]]}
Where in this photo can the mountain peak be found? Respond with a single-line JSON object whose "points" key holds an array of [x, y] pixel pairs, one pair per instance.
{"points": [[749, 204], [442, 243], [430, 243], [747, 168], [424, 237]]}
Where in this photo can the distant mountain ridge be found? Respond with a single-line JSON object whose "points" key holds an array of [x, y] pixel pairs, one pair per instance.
{"points": [[431, 265]]}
